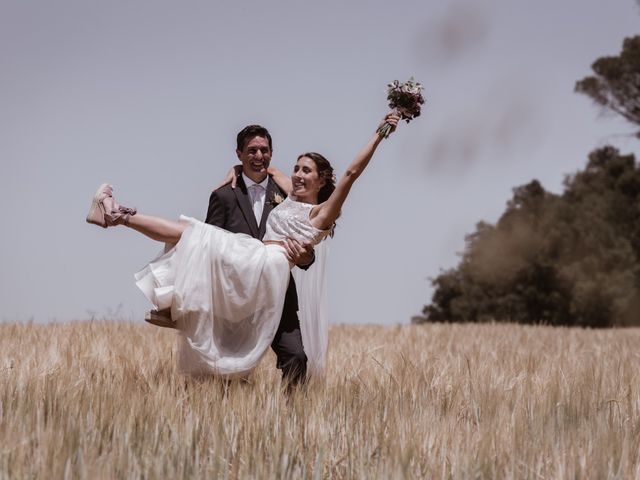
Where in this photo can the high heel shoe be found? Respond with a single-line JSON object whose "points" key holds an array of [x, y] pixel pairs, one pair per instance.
{"points": [[160, 318], [105, 211]]}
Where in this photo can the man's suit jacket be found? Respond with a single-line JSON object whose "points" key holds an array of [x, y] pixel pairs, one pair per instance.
{"points": [[231, 208]]}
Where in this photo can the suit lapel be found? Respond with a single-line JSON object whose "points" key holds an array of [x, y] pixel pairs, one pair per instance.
{"points": [[242, 196], [270, 193]]}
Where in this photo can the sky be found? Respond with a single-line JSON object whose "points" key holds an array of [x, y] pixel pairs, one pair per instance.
{"points": [[149, 96]]}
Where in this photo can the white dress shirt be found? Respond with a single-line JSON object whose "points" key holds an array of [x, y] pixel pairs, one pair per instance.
{"points": [[257, 195]]}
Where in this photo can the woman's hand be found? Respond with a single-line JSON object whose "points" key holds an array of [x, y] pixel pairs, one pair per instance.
{"points": [[391, 119], [301, 254], [231, 177]]}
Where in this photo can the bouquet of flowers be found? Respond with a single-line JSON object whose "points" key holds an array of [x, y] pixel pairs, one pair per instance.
{"points": [[406, 99]]}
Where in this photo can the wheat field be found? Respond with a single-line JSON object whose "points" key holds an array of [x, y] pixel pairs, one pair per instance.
{"points": [[103, 400]]}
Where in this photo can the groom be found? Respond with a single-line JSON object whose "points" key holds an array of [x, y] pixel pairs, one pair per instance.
{"points": [[245, 209]]}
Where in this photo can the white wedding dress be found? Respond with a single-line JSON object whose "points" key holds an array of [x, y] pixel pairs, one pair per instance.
{"points": [[226, 292]]}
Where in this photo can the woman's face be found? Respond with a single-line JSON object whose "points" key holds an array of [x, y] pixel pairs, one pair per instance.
{"points": [[305, 179]]}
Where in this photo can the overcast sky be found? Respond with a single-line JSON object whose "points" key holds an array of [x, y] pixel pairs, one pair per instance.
{"points": [[149, 95]]}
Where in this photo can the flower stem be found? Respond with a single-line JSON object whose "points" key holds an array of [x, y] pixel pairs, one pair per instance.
{"points": [[385, 130]]}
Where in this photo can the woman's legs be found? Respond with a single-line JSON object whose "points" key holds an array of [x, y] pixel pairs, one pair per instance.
{"points": [[156, 228]]}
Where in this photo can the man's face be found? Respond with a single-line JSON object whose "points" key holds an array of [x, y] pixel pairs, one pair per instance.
{"points": [[255, 158]]}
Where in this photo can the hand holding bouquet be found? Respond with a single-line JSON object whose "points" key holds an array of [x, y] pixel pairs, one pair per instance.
{"points": [[405, 99]]}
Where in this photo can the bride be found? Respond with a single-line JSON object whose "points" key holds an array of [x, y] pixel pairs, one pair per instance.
{"points": [[226, 290]]}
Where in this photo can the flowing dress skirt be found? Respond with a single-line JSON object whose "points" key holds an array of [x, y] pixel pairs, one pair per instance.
{"points": [[226, 292]]}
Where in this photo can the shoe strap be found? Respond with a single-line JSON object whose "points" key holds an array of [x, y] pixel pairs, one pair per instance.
{"points": [[127, 213]]}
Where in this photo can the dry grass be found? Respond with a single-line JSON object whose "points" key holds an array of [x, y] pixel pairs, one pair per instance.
{"points": [[103, 400]]}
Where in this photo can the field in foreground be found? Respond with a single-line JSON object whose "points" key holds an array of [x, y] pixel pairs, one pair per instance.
{"points": [[103, 400]]}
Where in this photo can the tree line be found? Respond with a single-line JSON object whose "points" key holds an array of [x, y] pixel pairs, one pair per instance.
{"points": [[561, 259]]}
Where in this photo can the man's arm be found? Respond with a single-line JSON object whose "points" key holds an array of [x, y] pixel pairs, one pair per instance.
{"points": [[216, 214]]}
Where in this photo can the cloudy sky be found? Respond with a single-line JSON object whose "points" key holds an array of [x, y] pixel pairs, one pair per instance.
{"points": [[149, 95]]}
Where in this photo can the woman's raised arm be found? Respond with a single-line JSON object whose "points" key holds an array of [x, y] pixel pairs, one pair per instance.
{"points": [[324, 215]]}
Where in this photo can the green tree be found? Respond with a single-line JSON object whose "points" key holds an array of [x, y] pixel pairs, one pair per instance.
{"points": [[570, 259], [615, 84]]}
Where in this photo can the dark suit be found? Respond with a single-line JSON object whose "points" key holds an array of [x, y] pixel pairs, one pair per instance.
{"points": [[231, 209]]}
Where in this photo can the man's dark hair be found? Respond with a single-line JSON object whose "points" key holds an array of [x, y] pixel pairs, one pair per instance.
{"points": [[250, 131]]}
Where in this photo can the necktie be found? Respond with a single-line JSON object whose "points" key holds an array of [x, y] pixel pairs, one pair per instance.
{"points": [[255, 192]]}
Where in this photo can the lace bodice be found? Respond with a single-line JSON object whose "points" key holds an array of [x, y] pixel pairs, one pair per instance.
{"points": [[291, 219]]}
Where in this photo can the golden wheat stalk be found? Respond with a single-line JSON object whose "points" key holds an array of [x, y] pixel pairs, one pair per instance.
{"points": [[103, 400]]}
